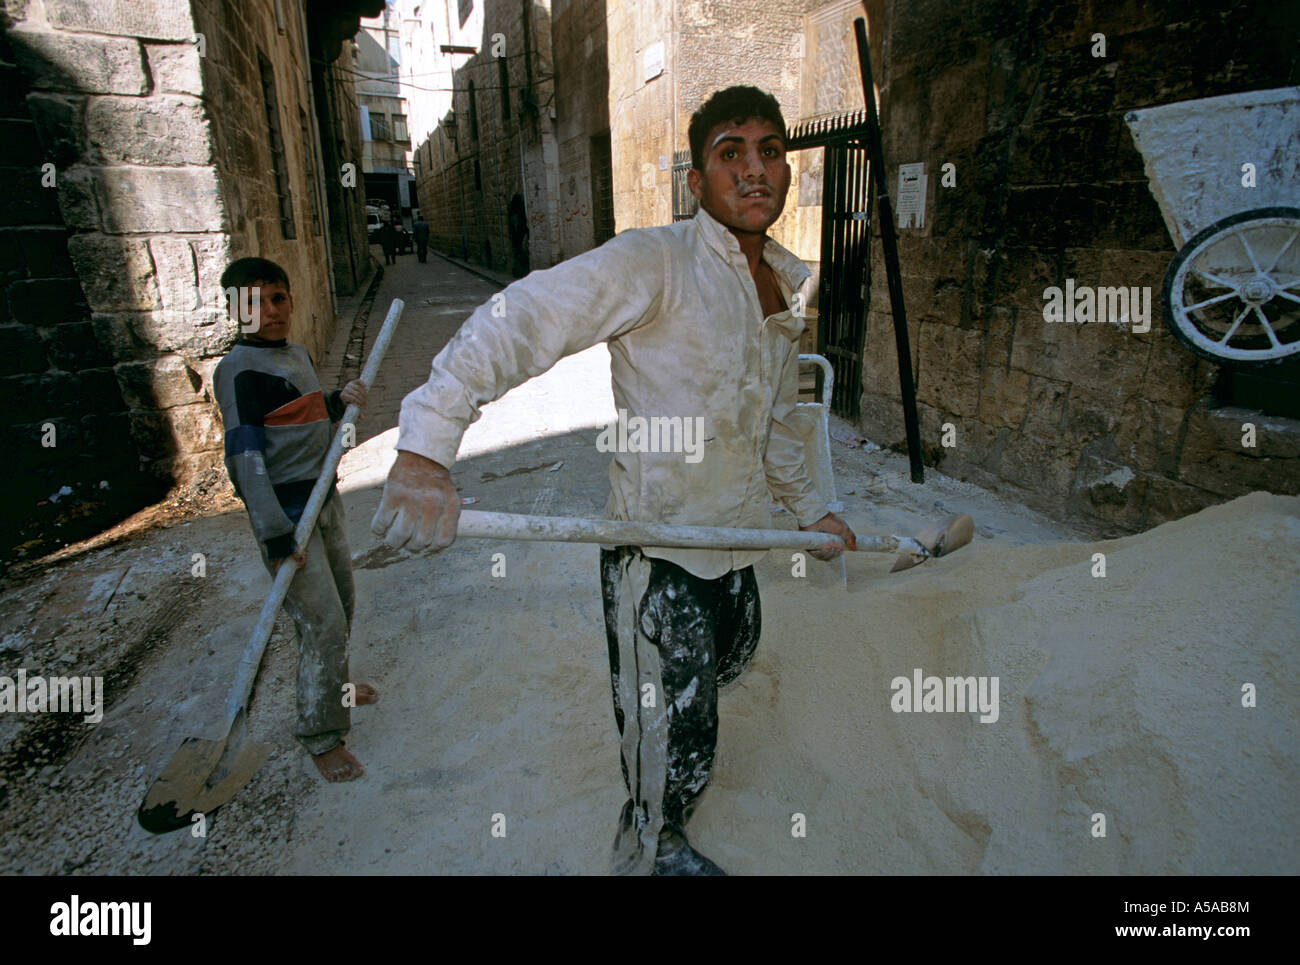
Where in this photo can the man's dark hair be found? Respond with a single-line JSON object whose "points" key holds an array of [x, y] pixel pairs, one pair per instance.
{"points": [[735, 104], [247, 272]]}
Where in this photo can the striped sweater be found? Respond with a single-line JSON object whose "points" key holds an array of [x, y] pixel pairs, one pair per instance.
{"points": [[277, 424]]}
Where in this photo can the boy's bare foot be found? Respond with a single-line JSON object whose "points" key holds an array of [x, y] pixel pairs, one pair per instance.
{"points": [[366, 694], [337, 765]]}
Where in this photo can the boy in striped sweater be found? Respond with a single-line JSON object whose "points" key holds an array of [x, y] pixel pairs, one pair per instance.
{"points": [[278, 428]]}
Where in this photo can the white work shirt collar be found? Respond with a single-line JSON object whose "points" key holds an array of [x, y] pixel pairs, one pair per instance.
{"points": [[791, 271]]}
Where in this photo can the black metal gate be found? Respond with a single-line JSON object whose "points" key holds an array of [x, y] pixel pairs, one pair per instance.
{"points": [[684, 203], [845, 249]]}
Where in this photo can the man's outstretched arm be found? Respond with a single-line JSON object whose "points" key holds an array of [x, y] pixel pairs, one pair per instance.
{"points": [[521, 332]]}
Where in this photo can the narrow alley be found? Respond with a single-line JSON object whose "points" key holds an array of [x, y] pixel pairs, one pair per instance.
{"points": [[1035, 308]]}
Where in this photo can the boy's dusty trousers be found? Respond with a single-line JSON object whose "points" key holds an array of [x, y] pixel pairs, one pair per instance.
{"points": [[320, 600]]}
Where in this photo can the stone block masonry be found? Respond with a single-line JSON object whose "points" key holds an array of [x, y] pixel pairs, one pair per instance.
{"points": [[143, 166], [1096, 423]]}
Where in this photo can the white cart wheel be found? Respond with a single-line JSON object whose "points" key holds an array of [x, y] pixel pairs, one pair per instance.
{"points": [[1232, 294]]}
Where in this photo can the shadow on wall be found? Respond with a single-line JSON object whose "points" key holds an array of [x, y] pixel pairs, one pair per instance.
{"points": [[76, 450]]}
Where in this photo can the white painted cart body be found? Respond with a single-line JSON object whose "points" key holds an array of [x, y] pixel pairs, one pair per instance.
{"points": [[1225, 172]]}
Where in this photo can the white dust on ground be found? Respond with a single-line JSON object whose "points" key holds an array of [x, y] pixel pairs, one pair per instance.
{"points": [[1119, 696]]}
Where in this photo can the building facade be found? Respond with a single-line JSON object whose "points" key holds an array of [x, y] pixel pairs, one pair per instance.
{"points": [[383, 114], [1100, 423], [513, 147]]}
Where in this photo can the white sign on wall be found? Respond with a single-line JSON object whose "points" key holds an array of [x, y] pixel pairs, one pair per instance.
{"points": [[911, 194], [653, 61]]}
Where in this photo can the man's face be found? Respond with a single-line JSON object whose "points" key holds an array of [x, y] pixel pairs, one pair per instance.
{"points": [[275, 311], [745, 177]]}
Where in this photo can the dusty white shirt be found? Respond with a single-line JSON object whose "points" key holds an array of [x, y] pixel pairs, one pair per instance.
{"points": [[687, 340]]}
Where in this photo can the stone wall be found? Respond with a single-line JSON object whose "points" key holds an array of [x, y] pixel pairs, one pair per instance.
{"points": [[239, 36], [144, 169], [339, 132], [578, 33], [641, 110], [69, 74], [1093, 421]]}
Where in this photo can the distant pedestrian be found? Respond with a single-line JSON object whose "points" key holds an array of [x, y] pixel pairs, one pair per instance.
{"points": [[388, 241], [421, 233]]}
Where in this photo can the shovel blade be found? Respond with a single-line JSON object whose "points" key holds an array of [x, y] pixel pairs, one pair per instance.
{"points": [[940, 539], [200, 777]]}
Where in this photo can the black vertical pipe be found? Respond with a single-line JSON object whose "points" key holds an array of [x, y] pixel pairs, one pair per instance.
{"points": [[889, 241], [860, 246]]}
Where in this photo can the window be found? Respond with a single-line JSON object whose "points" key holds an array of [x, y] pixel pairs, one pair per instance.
{"points": [[473, 113], [365, 123], [276, 139], [379, 127], [309, 159], [602, 189], [503, 76], [399, 128], [1273, 391]]}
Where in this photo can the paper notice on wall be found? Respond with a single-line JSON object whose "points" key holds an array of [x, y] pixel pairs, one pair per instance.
{"points": [[911, 195], [652, 64]]}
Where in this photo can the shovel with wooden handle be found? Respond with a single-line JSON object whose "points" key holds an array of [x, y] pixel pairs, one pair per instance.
{"points": [[205, 773], [939, 539]]}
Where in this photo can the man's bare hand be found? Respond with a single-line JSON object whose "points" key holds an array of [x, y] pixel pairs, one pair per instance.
{"points": [[420, 507], [830, 523], [354, 393]]}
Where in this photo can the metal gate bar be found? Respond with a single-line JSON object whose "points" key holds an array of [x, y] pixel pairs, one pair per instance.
{"points": [[846, 226]]}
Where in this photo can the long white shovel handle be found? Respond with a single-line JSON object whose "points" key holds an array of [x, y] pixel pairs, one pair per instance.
{"points": [[613, 532]]}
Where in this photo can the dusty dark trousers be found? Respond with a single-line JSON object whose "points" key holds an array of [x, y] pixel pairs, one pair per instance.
{"points": [[673, 638], [320, 600]]}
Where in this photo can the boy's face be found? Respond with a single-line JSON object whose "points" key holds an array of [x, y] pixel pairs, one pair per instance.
{"points": [[745, 177], [274, 314]]}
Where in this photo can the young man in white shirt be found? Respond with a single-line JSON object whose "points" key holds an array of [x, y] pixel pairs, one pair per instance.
{"points": [[698, 321]]}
